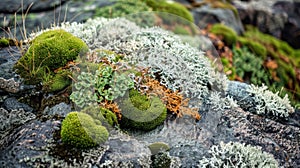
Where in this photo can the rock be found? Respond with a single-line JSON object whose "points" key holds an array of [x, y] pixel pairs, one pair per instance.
{"points": [[238, 91], [9, 85], [125, 151], [13, 104], [8, 57], [44, 14], [61, 109], [205, 15], [278, 18], [13, 118], [278, 139]]}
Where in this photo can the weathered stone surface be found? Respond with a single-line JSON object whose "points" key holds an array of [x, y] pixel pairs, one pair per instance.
{"points": [[278, 139], [205, 15], [61, 109], [278, 18], [13, 104]]}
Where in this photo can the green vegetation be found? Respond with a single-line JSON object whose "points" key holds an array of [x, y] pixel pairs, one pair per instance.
{"points": [[81, 131], [181, 30], [157, 147], [102, 114], [234, 154], [4, 42], [105, 83], [141, 113], [57, 82], [49, 51], [170, 7], [249, 67], [133, 10], [229, 35]]}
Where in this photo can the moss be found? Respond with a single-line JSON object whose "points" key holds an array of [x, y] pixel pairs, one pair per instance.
{"points": [[161, 160], [4, 42], [50, 50], [81, 131], [170, 7], [141, 113], [57, 82], [102, 115], [157, 147], [133, 10], [257, 48], [181, 30], [223, 5], [228, 34]]}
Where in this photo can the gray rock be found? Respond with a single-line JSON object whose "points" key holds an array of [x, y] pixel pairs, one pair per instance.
{"points": [[278, 139], [13, 6], [238, 91], [61, 109], [8, 57], [9, 85], [125, 151], [13, 104], [205, 15], [278, 18], [44, 14], [14, 118]]}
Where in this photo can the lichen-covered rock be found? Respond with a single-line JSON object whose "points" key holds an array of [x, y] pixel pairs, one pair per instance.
{"points": [[234, 154], [125, 151], [13, 118], [9, 85], [61, 109]]}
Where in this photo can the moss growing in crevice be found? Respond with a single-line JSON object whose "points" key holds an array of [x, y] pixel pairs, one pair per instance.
{"points": [[227, 34]]}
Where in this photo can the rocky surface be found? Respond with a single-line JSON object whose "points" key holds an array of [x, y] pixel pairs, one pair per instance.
{"points": [[206, 15], [278, 18], [30, 131]]}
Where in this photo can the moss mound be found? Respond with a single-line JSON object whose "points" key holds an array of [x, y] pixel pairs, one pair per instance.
{"points": [[141, 113], [229, 35], [47, 52], [81, 131], [170, 7]]}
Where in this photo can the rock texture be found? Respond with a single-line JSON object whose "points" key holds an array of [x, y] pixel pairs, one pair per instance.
{"points": [[278, 18]]}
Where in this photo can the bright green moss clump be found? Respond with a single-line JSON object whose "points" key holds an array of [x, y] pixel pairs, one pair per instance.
{"points": [[4, 42], [47, 52], [141, 113], [82, 131], [229, 35]]}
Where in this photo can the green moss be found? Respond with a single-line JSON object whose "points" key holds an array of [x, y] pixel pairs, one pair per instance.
{"points": [[133, 10], [81, 131], [4, 42], [224, 5], [100, 114], [57, 82], [228, 34], [157, 147], [257, 48], [170, 7], [249, 67], [161, 160], [181, 30], [110, 117], [50, 50], [141, 113]]}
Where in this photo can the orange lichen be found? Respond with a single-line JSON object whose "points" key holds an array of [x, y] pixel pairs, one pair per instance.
{"points": [[174, 101]]}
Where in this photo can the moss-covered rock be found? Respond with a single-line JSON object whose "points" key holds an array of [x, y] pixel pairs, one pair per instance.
{"points": [[81, 131], [229, 35], [257, 48], [170, 7], [100, 114], [140, 112], [47, 52], [157, 147]]}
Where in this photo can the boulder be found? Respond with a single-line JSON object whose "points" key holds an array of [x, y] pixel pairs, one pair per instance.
{"points": [[206, 15], [278, 18]]}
